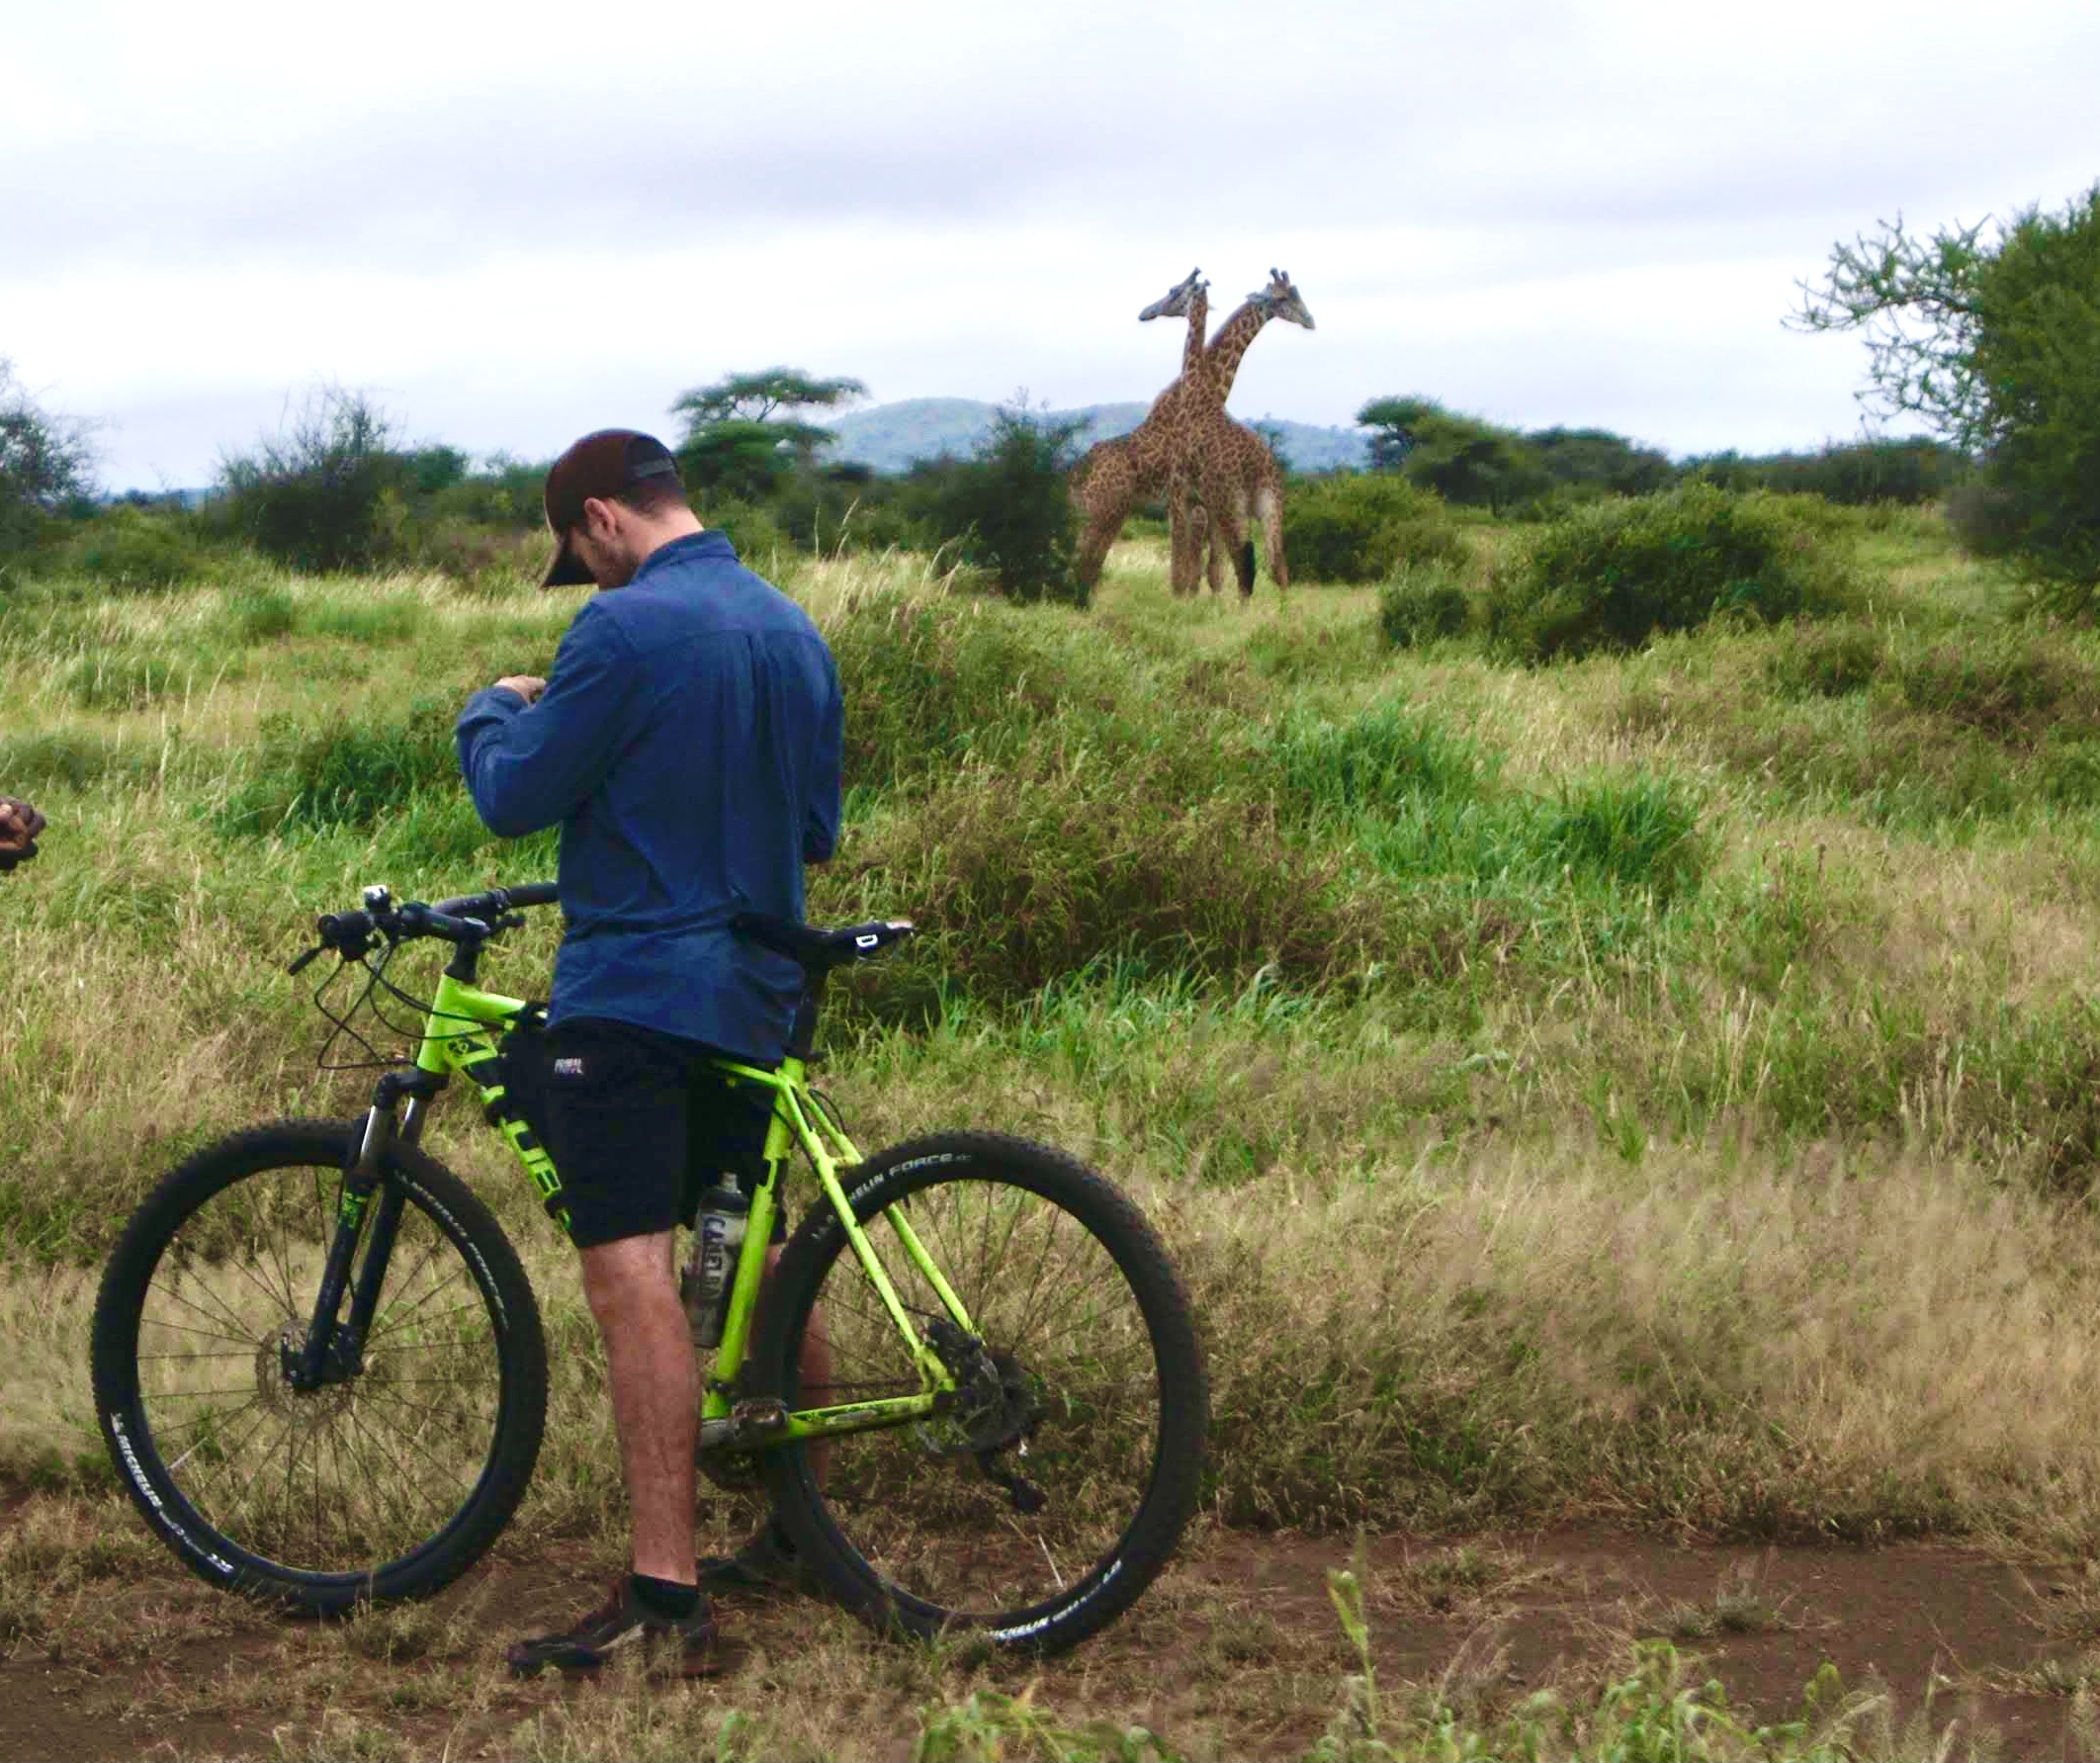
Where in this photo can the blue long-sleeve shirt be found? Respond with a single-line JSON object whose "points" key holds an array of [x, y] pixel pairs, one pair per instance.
{"points": [[688, 745]]}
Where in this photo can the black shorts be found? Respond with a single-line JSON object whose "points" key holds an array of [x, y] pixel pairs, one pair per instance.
{"points": [[639, 1127]]}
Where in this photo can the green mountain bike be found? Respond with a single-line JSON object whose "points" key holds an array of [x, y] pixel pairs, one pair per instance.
{"points": [[319, 1367]]}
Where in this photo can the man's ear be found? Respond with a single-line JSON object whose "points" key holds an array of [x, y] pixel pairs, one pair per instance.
{"points": [[600, 520]]}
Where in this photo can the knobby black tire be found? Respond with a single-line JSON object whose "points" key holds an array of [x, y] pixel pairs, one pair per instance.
{"points": [[442, 1221], [1120, 1456]]}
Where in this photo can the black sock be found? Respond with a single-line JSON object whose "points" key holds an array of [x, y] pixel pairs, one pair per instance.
{"points": [[665, 1597]]}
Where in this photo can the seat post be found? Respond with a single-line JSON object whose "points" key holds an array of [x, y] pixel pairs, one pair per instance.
{"points": [[801, 1035]]}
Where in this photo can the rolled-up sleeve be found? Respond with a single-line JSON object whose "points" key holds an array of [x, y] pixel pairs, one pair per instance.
{"points": [[529, 767]]}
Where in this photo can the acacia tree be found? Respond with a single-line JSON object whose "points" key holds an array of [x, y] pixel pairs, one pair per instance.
{"points": [[44, 463], [742, 434], [1991, 334]]}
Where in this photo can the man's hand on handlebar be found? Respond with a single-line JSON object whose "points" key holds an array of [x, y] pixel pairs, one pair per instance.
{"points": [[528, 687]]}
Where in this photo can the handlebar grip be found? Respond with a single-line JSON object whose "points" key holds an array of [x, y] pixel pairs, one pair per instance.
{"points": [[426, 920], [533, 894]]}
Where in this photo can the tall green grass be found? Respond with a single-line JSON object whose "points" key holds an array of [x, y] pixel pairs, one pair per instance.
{"points": [[1664, 1079]]}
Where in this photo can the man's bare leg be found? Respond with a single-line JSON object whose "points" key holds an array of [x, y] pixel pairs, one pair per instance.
{"points": [[655, 1394], [812, 1369]]}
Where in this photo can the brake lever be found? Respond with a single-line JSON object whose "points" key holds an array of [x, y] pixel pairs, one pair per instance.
{"points": [[304, 961]]}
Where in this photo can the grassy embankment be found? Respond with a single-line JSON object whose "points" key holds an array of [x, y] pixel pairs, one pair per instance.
{"points": [[1658, 1087]]}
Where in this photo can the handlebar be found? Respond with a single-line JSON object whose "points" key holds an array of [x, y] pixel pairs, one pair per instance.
{"points": [[470, 919]]}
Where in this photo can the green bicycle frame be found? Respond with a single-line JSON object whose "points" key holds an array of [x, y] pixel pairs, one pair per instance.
{"points": [[471, 1050]]}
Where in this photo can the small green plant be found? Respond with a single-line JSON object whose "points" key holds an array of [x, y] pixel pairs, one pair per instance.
{"points": [[1617, 574], [1423, 605], [991, 1724]]}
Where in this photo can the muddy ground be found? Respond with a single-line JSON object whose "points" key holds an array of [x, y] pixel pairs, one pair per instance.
{"points": [[1236, 1652]]}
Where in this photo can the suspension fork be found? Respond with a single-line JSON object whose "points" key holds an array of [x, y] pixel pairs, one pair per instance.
{"points": [[333, 1351]]}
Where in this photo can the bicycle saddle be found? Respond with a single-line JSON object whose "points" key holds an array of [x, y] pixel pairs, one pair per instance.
{"points": [[819, 951]]}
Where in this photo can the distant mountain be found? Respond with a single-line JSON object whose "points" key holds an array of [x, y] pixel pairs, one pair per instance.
{"points": [[890, 437]]}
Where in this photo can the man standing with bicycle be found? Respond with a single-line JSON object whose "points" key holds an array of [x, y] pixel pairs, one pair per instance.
{"points": [[687, 743]]}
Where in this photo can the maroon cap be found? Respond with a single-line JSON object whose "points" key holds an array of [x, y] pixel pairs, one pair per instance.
{"points": [[600, 464]]}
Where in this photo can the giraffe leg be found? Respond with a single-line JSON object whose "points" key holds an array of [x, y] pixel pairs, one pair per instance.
{"points": [[1103, 502], [1182, 542], [1100, 532], [1198, 544], [1230, 526], [1268, 504]]}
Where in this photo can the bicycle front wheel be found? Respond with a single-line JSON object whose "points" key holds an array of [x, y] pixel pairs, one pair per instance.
{"points": [[1045, 1498], [393, 1475]]}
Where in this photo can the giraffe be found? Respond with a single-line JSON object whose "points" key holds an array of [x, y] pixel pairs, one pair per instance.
{"points": [[1237, 475], [1187, 528], [1115, 475], [1242, 468], [1245, 464]]}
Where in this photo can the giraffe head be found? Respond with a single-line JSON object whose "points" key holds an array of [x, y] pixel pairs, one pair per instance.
{"points": [[1282, 299], [1176, 301]]}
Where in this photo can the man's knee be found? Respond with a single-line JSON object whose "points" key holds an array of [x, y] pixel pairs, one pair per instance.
{"points": [[626, 1272]]}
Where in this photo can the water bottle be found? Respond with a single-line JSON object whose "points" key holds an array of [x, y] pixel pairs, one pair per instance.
{"points": [[717, 1236]]}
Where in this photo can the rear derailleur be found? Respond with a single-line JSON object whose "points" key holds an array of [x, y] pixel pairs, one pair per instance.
{"points": [[995, 1408]]}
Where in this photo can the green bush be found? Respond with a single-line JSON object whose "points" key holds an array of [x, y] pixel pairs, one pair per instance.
{"points": [[927, 681], [1378, 757], [2010, 687], [1006, 510], [1642, 832], [69, 759], [1826, 664], [753, 528], [1026, 882], [45, 465], [132, 547], [118, 678], [1858, 474], [484, 559], [328, 494], [1616, 574], [1423, 605], [349, 773], [1351, 527], [259, 614]]}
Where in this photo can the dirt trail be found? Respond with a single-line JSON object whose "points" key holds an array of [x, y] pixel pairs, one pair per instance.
{"points": [[1236, 1652]]}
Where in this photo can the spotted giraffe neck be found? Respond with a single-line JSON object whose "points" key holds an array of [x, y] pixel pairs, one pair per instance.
{"points": [[1221, 359], [1199, 322]]}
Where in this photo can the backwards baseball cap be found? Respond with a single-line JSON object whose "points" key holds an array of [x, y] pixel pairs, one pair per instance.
{"points": [[600, 464]]}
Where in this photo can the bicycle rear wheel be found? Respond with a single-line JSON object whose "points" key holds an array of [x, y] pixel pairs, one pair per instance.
{"points": [[1089, 1388], [387, 1482]]}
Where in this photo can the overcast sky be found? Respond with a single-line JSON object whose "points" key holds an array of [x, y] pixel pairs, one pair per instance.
{"points": [[515, 223]]}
